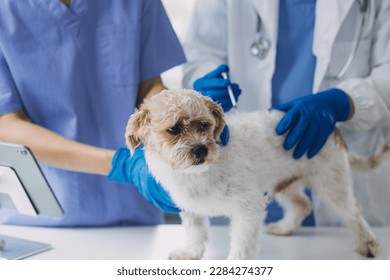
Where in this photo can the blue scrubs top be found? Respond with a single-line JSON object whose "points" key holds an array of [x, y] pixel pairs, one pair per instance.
{"points": [[76, 72], [295, 64]]}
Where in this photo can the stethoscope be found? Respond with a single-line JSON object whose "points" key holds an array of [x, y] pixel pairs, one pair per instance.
{"points": [[261, 45]]}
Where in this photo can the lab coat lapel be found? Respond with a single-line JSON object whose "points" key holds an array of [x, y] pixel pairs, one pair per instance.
{"points": [[269, 14], [327, 25]]}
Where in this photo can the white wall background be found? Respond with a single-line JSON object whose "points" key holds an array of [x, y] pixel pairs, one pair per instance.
{"points": [[179, 12]]}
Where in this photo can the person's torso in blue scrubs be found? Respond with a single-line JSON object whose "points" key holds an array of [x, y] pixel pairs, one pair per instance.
{"points": [[75, 70], [295, 65]]}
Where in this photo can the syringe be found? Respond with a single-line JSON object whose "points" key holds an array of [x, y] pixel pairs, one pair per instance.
{"points": [[230, 91]]}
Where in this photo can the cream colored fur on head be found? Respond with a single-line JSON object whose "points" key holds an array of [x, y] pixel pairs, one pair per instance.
{"points": [[180, 130], [173, 128]]}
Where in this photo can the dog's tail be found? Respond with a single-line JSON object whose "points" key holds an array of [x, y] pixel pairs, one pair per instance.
{"points": [[370, 163]]}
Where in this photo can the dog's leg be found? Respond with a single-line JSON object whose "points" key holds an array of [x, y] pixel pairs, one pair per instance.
{"points": [[337, 191], [195, 227], [244, 232], [296, 206]]}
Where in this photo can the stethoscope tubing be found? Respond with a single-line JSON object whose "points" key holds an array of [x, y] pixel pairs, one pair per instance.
{"points": [[348, 63]]}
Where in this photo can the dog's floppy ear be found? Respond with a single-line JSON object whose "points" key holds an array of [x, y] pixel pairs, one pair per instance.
{"points": [[218, 114], [136, 127]]}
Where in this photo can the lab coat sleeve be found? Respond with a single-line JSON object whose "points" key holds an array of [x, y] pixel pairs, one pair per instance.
{"points": [[9, 98], [371, 95], [206, 43]]}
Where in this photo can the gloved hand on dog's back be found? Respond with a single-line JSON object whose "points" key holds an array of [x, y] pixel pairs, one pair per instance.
{"points": [[215, 86], [132, 169], [309, 120]]}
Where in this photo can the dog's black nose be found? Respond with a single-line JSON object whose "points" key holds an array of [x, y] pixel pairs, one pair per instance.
{"points": [[200, 151]]}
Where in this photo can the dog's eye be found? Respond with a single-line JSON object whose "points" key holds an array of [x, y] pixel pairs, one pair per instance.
{"points": [[203, 127], [176, 129]]}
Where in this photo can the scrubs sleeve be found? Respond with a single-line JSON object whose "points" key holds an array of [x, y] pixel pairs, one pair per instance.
{"points": [[9, 98], [160, 47]]}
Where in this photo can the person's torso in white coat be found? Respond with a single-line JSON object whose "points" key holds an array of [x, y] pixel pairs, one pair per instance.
{"points": [[222, 31]]}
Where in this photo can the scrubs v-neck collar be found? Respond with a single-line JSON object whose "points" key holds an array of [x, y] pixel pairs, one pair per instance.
{"points": [[68, 16]]}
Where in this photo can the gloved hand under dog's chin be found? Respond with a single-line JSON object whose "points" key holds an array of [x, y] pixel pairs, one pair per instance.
{"points": [[132, 169], [215, 86]]}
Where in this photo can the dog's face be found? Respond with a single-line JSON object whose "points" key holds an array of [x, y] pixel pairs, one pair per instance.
{"points": [[181, 127]]}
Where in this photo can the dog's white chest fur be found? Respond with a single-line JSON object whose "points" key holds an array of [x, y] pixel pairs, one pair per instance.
{"points": [[195, 192]]}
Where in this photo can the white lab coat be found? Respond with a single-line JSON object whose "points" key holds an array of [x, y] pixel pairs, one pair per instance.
{"points": [[221, 31]]}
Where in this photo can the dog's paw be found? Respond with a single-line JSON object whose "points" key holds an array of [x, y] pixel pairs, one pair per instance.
{"points": [[279, 228], [185, 254], [369, 249]]}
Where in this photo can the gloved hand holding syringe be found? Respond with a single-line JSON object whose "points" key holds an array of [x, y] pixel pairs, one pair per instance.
{"points": [[216, 85]]}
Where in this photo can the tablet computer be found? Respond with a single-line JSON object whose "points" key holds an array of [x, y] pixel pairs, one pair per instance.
{"points": [[19, 169], [24, 187]]}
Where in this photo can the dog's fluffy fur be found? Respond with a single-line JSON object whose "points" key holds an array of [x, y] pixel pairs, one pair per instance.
{"points": [[180, 131]]}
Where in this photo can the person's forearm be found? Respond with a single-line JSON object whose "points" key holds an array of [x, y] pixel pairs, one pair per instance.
{"points": [[148, 88], [52, 148], [56, 150]]}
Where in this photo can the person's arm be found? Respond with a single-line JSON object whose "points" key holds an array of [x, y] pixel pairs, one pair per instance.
{"points": [[310, 119], [207, 40], [61, 152], [52, 148], [132, 169], [371, 95], [356, 104], [215, 86], [148, 88], [67, 2]]}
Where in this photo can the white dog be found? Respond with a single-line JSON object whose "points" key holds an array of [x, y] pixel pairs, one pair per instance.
{"points": [[180, 130]]}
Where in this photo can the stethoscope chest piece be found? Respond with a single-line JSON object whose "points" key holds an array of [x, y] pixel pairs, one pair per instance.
{"points": [[260, 48], [261, 45]]}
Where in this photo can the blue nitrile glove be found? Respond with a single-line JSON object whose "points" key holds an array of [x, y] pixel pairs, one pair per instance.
{"points": [[310, 120], [134, 170], [215, 86]]}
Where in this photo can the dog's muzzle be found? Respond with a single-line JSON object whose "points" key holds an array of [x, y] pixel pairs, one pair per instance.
{"points": [[199, 152]]}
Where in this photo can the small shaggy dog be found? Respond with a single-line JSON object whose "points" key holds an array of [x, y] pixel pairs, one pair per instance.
{"points": [[180, 130]]}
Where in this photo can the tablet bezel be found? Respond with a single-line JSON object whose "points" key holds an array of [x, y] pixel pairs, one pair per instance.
{"points": [[21, 159]]}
